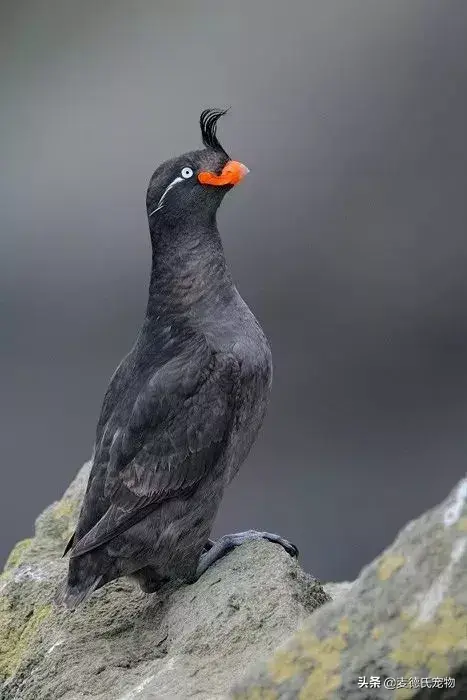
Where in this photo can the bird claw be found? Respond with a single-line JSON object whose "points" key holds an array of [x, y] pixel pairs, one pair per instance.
{"points": [[288, 546], [215, 550], [238, 538]]}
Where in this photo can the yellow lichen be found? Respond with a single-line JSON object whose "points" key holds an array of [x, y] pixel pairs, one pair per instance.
{"points": [[389, 564], [462, 525], [344, 625], [65, 508], [257, 693], [58, 522], [17, 554], [319, 658], [16, 635], [319, 685], [377, 633], [286, 664], [430, 644], [404, 693], [406, 615]]}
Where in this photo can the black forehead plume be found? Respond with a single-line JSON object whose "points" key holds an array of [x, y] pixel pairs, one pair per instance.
{"points": [[208, 123]]}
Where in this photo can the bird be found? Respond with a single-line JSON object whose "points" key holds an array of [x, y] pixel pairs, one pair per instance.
{"points": [[184, 406]]}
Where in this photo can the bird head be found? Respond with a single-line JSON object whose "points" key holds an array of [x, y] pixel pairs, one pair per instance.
{"points": [[193, 185]]}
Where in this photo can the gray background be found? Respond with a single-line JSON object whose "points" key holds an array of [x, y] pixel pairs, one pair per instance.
{"points": [[348, 239]]}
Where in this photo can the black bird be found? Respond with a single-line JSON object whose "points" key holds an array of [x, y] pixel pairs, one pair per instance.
{"points": [[184, 407]]}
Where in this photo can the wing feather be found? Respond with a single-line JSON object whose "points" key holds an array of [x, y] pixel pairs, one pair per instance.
{"points": [[175, 434]]}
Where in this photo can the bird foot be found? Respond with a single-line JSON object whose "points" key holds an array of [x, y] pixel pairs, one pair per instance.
{"points": [[215, 550]]}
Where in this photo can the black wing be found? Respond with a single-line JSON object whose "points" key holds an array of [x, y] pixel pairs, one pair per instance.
{"points": [[177, 431]]}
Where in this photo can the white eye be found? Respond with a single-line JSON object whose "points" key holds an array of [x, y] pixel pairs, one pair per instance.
{"points": [[187, 172]]}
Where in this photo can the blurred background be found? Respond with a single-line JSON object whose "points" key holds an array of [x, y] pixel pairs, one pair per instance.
{"points": [[348, 240]]}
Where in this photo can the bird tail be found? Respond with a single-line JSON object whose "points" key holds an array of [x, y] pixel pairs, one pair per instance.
{"points": [[71, 596]]}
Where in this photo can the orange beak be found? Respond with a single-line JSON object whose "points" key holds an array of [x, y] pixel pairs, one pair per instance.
{"points": [[231, 174]]}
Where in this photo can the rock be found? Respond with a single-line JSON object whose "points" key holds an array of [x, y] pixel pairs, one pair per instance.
{"points": [[337, 590], [405, 617], [125, 645]]}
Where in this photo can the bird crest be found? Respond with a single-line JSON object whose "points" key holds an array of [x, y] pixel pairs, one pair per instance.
{"points": [[208, 123]]}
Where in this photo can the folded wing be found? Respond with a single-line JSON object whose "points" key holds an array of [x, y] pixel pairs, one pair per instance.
{"points": [[177, 431]]}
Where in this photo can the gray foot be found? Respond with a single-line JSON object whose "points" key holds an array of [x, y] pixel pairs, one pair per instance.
{"points": [[215, 550]]}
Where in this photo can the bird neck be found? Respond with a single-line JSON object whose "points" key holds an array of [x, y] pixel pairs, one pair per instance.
{"points": [[189, 273]]}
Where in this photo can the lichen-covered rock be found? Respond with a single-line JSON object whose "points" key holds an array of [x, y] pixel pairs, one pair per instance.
{"points": [[125, 645], [337, 590], [405, 617]]}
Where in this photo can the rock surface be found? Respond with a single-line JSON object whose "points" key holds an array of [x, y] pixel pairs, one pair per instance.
{"points": [[405, 617], [225, 636], [125, 645]]}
